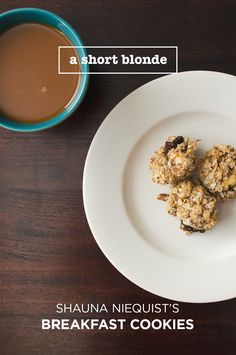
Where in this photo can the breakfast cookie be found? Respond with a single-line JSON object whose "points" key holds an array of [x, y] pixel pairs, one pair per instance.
{"points": [[217, 171], [193, 205], [175, 161]]}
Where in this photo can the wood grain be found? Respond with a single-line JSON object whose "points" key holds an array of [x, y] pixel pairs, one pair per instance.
{"points": [[47, 252]]}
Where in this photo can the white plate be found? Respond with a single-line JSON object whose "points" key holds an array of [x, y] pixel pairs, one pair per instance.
{"points": [[131, 227]]}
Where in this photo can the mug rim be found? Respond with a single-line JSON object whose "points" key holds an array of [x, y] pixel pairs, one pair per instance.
{"points": [[79, 93]]}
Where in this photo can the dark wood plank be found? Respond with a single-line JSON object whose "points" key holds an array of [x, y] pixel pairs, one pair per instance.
{"points": [[47, 252]]}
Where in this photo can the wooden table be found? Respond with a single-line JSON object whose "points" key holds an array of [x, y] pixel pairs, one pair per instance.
{"points": [[47, 252]]}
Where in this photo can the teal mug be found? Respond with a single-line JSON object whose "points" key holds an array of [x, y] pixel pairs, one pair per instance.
{"points": [[33, 15]]}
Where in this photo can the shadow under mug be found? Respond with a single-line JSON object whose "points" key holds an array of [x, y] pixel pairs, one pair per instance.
{"points": [[34, 15]]}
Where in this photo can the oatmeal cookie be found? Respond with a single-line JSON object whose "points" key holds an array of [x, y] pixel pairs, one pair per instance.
{"points": [[175, 161], [193, 205], [217, 171]]}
